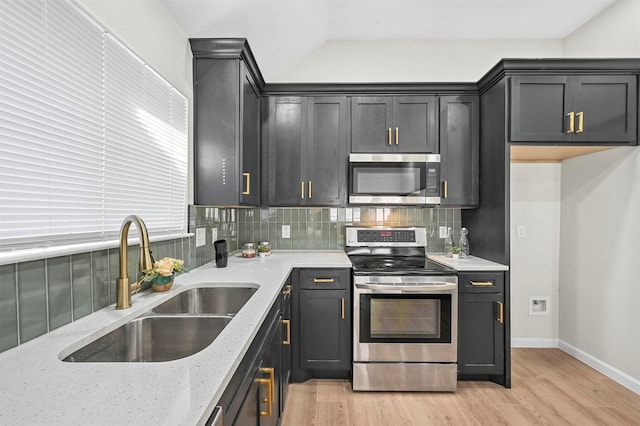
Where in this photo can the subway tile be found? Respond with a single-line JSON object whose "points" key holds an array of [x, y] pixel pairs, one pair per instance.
{"points": [[8, 308], [32, 299], [294, 215], [59, 287], [100, 277], [81, 284]]}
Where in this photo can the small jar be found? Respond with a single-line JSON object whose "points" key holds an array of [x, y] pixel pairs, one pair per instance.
{"points": [[248, 250], [264, 247]]}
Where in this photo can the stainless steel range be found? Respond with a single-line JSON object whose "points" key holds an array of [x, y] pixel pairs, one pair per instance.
{"points": [[405, 313]]}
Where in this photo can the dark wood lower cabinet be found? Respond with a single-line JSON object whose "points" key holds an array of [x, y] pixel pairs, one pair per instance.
{"points": [[253, 396], [322, 324], [482, 327]]}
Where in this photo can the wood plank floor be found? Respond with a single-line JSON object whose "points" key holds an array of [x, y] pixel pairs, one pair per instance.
{"points": [[549, 387]]}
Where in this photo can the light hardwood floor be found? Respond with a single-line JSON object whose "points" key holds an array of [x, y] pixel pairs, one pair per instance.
{"points": [[549, 387]]}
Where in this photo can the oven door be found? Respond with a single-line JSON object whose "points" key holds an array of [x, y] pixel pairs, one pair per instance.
{"points": [[394, 179], [405, 324]]}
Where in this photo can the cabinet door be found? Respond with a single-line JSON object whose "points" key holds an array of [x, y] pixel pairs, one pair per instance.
{"points": [[272, 370], [286, 344], [605, 108], [538, 109], [250, 105], [216, 176], [325, 330], [287, 133], [249, 412], [371, 124], [326, 153], [415, 124], [481, 333], [459, 146]]}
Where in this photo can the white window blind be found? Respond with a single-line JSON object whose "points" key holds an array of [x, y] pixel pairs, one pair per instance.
{"points": [[88, 133]]}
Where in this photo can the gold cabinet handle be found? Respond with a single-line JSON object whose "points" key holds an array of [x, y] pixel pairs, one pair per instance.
{"points": [[323, 280], [247, 191], [268, 400], [397, 135], [580, 116], [309, 193], [572, 117], [288, 324], [287, 290], [481, 283], [501, 312], [445, 189], [389, 135], [272, 379], [302, 190], [342, 299]]}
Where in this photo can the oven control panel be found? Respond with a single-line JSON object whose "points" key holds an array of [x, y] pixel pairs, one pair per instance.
{"points": [[408, 237]]}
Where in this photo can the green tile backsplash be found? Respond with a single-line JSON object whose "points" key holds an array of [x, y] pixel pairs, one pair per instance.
{"points": [[40, 296]]}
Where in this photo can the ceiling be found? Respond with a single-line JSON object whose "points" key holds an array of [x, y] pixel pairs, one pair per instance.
{"points": [[281, 32]]}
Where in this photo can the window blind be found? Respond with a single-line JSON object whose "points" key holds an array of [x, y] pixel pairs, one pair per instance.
{"points": [[88, 132]]}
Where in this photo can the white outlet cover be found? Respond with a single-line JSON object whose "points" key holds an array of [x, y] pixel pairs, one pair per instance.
{"points": [[442, 231], [201, 237], [286, 231], [521, 231]]}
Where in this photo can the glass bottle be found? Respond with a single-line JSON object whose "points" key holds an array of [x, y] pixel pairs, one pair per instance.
{"points": [[448, 243], [464, 243]]}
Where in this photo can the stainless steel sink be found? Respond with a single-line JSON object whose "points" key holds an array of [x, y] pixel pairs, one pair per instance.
{"points": [[153, 339], [207, 300], [182, 326]]}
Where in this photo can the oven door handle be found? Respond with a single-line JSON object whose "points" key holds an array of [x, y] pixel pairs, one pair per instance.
{"points": [[417, 288]]}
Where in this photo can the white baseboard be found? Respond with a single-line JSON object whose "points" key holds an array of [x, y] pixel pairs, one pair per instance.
{"points": [[613, 373], [533, 342]]}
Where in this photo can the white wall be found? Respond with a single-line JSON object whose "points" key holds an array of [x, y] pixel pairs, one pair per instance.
{"points": [[147, 28], [600, 258], [615, 32], [535, 204], [411, 60]]}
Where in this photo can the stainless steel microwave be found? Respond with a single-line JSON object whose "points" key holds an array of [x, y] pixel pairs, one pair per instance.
{"points": [[394, 179]]}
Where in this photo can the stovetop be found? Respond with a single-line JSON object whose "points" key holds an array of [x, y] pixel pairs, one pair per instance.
{"points": [[394, 261]]}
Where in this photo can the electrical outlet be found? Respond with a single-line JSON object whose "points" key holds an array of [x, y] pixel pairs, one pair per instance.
{"points": [[442, 231], [201, 237], [214, 234], [521, 231], [539, 305], [286, 231]]}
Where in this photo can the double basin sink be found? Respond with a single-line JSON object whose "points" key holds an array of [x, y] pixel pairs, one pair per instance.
{"points": [[181, 326]]}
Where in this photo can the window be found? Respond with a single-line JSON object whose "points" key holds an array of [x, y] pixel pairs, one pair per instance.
{"points": [[88, 133]]}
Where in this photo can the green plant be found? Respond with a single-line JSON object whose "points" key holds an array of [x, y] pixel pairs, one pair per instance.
{"points": [[165, 267], [263, 249], [455, 250]]}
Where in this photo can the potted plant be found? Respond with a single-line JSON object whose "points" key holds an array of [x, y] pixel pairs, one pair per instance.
{"points": [[455, 252], [262, 250], [163, 272]]}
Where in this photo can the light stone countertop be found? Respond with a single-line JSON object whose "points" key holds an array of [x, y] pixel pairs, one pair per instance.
{"points": [[36, 387], [471, 263]]}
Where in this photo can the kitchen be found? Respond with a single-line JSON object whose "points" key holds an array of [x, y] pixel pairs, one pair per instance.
{"points": [[154, 43]]}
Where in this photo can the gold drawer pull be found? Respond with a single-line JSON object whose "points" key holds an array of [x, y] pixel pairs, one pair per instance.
{"points": [[397, 136], [389, 135], [501, 312], [287, 290], [580, 116], [572, 117], [323, 280], [302, 190], [342, 299], [248, 190], [481, 283], [268, 400], [288, 324], [445, 189]]}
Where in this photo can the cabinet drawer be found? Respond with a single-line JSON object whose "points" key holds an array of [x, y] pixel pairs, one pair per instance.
{"points": [[324, 278], [481, 282]]}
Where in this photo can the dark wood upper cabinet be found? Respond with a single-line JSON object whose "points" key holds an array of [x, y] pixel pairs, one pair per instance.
{"points": [[394, 124], [574, 109], [459, 150], [307, 151], [227, 125]]}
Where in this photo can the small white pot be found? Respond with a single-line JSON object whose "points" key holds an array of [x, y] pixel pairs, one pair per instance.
{"points": [[455, 255]]}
